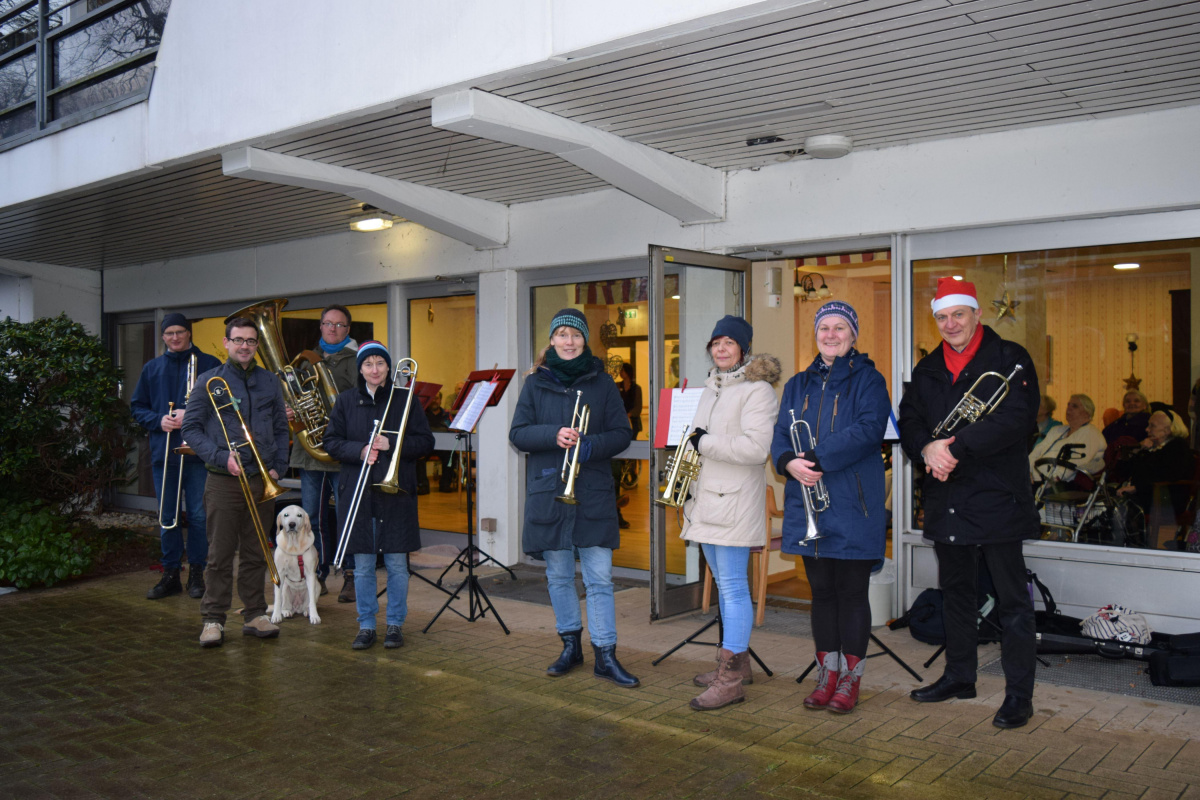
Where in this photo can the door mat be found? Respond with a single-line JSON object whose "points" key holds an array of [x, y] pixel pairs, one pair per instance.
{"points": [[1127, 677], [530, 585]]}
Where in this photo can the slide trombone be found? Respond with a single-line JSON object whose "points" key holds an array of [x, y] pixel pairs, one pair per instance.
{"points": [[162, 495], [217, 389], [391, 482], [816, 497], [570, 468], [682, 468], [970, 408]]}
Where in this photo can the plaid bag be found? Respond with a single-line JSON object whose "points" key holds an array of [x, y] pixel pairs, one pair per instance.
{"points": [[1117, 622]]}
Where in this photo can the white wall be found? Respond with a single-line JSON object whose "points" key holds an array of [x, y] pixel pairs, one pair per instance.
{"points": [[29, 291]]}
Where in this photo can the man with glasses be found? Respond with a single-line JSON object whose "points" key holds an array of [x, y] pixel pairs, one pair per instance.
{"points": [[164, 381], [318, 479], [259, 399]]}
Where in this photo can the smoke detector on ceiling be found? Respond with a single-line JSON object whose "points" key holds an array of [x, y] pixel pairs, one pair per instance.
{"points": [[828, 146]]}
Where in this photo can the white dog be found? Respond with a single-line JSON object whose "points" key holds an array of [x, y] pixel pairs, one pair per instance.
{"points": [[297, 561]]}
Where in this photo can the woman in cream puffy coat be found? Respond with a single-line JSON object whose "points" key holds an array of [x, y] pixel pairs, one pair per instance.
{"points": [[726, 514]]}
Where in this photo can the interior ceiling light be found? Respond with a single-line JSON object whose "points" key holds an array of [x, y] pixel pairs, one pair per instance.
{"points": [[1129, 265], [805, 289], [957, 277], [828, 145], [746, 121]]}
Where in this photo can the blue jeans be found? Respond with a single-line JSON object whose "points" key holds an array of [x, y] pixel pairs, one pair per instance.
{"points": [[194, 477], [365, 587], [728, 565], [597, 580], [317, 489]]}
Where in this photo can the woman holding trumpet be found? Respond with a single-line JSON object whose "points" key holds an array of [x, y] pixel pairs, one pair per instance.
{"points": [[726, 515], [831, 424], [571, 422], [386, 523]]}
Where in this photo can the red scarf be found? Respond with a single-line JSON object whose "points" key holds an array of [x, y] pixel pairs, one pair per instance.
{"points": [[956, 362]]}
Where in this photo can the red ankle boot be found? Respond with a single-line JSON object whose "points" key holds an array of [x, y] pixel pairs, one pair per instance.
{"points": [[827, 678], [845, 697]]}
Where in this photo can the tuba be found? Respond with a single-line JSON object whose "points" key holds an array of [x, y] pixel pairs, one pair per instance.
{"points": [[816, 498], [970, 408], [683, 466], [183, 450], [221, 397], [307, 387], [570, 468]]}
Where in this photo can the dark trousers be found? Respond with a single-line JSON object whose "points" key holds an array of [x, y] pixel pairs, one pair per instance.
{"points": [[841, 608], [958, 573], [231, 530]]}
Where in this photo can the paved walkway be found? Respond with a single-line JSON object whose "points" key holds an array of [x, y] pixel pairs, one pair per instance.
{"points": [[103, 693]]}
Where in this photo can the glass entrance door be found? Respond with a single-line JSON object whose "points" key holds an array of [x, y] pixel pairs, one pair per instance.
{"points": [[689, 292]]}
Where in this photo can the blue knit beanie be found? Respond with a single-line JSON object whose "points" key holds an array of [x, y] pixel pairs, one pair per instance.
{"points": [[836, 308], [572, 319], [373, 348], [735, 328], [175, 318]]}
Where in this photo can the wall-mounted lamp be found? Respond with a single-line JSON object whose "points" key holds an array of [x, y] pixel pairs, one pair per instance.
{"points": [[372, 219], [805, 287]]}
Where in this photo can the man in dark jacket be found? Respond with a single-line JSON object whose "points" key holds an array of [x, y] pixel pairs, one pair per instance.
{"points": [[158, 406], [258, 397], [977, 496]]}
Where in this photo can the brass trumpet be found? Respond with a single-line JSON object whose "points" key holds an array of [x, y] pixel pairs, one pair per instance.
{"points": [[570, 468], [816, 498], [970, 408], [183, 450], [217, 388], [683, 467]]}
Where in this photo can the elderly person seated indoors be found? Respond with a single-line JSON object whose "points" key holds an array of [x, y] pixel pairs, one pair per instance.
{"points": [[1045, 420], [1133, 421], [1164, 455], [1078, 431]]}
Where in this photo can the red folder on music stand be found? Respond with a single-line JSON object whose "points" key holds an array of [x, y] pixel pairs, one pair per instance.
{"points": [[426, 392]]}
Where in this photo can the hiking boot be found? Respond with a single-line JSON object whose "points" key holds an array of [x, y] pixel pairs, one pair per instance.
{"points": [[828, 668], [262, 627], [168, 585], [213, 634], [743, 667], [393, 637], [195, 584], [845, 697], [571, 656], [365, 638], [347, 594], [726, 687]]}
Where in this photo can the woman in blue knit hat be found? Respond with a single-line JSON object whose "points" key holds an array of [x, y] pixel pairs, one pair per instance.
{"points": [[557, 532], [844, 400]]}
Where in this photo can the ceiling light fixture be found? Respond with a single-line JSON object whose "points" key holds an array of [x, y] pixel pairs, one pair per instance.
{"points": [[370, 223], [1129, 265], [805, 287], [828, 146]]}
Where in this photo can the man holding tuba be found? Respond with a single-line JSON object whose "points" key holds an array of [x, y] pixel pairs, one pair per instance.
{"points": [[259, 400], [158, 406], [319, 479], [977, 497]]}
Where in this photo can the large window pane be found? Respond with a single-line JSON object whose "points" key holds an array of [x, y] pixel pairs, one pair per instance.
{"points": [[111, 88], [125, 34], [18, 81], [18, 29], [19, 121]]}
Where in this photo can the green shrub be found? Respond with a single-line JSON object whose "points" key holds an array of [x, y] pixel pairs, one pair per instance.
{"points": [[38, 547]]}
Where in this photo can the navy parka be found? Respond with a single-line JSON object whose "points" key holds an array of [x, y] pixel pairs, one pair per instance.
{"points": [[163, 381], [848, 412], [545, 406]]}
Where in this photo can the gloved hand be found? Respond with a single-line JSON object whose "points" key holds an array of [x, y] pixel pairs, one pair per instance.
{"points": [[694, 438]]}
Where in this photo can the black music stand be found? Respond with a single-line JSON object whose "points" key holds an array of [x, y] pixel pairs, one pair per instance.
{"points": [[720, 637], [478, 602]]}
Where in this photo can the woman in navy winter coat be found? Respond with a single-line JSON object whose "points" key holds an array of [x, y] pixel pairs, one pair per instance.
{"points": [[844, 399], [386, 523], [554, 531]]}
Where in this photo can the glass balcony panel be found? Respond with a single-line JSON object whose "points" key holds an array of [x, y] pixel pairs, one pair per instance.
{"points": [[110, 89], [18, 81], [19, 121], [110, 40]]}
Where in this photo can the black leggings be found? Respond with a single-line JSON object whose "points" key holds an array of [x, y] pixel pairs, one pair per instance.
{"points": [[841, 610]]}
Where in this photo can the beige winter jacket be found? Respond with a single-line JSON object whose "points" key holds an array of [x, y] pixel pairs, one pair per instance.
{"points": [[738, 410]]}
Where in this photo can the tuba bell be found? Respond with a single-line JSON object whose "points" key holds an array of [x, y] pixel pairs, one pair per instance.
{"points": [[307, 387]]}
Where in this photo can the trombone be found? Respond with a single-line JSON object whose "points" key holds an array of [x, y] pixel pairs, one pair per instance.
{"points": [[390, 483], [970, 408], [162, 494], [816, 497], [570, 468], [218, 388], [683, 466]]}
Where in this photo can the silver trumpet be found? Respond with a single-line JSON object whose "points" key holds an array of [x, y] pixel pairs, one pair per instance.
{"points": [[970, 408], [570, 468], [183, 450], [816, 498]]}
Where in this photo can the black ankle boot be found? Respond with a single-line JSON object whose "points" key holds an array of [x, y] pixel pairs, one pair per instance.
{"points": [[608, 668], [572, 654], [167, 586], [195, 584]]}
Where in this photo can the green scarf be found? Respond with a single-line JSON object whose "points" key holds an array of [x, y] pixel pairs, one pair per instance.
{"points": [[568, 372]]}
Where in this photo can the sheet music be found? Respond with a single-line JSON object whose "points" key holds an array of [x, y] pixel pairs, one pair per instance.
{"points": [[683, 410], [473, 406]]}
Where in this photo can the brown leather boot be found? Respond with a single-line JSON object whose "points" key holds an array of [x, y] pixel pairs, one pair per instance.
{"points": [[726, 687], [706, 678], [828, 667]]}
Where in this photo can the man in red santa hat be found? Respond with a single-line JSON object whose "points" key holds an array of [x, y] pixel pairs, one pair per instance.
{"points": [[976, 493]]}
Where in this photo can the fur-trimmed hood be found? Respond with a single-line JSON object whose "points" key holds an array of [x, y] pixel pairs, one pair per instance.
{"points": [[763, 367]]}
